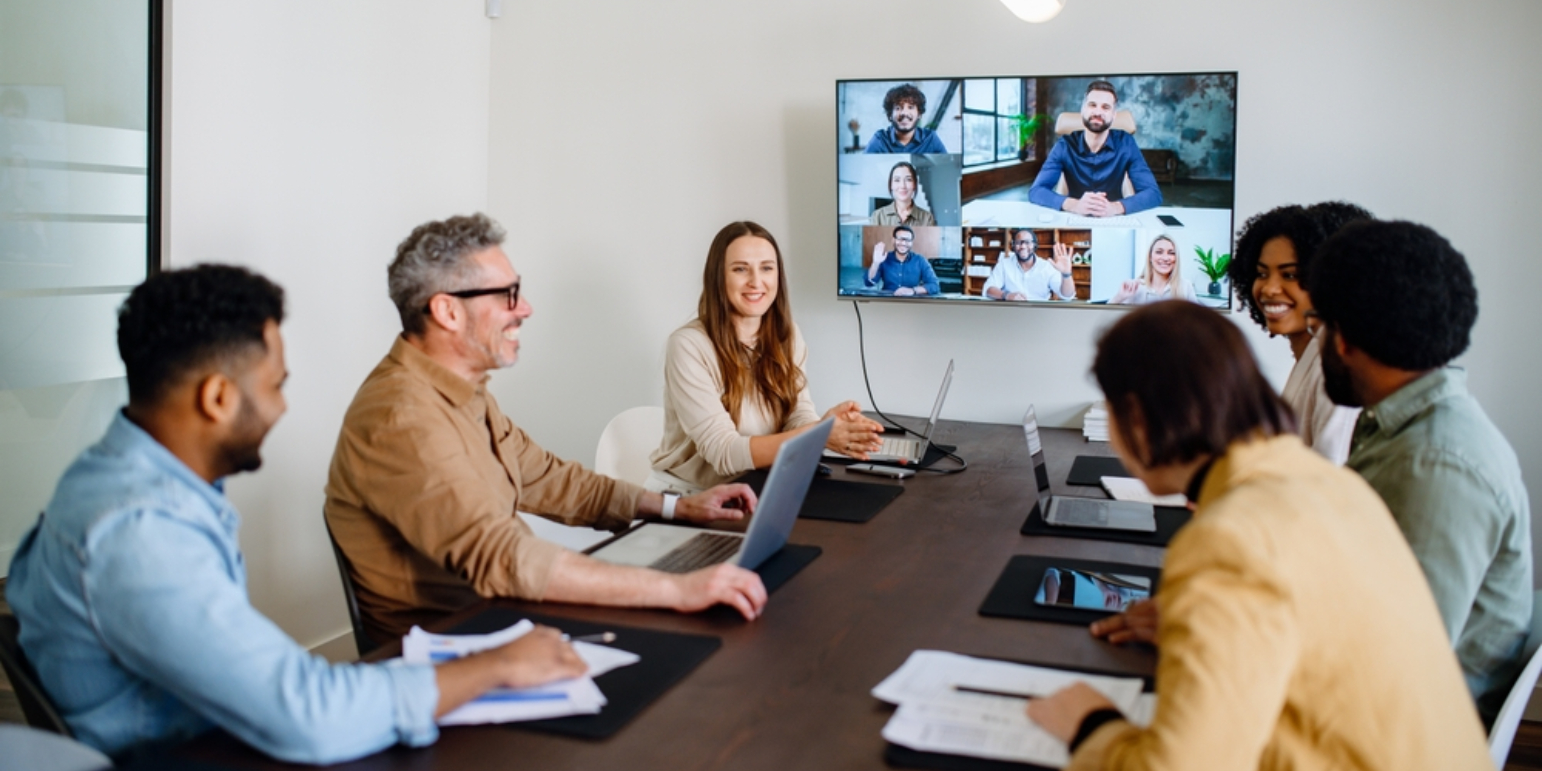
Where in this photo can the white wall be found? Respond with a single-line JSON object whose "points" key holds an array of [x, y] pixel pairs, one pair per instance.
{"points": [[307, 139], [614, 138], [625, 134]]}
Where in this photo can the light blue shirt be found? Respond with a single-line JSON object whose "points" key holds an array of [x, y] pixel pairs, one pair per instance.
{"points": [[1454, 486], [131, 592]]}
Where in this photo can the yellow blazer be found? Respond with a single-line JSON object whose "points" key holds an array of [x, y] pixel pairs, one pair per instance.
{"points": [[1296, 632]]}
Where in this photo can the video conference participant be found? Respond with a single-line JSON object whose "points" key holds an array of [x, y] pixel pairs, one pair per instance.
{"points": [[1295, 630], [1274, 256], [1162, 278], [903, 272], [903, 211], [428, 472], [905, 104], [131, 588], [735, 387], [1029, 278], [1398, 303], [1095, 162]]}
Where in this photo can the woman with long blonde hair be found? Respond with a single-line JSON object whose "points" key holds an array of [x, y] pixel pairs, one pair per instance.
{"points": [[734, 380], [1162, 278]]}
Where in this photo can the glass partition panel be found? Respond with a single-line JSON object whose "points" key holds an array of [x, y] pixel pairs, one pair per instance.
{"points": [[78, 192]]}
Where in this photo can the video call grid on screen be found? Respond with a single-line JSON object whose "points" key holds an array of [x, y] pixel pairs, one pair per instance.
{"points": [[942, 182]]}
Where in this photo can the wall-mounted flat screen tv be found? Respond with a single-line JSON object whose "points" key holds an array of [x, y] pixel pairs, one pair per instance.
{"points": [[1068, 190]]}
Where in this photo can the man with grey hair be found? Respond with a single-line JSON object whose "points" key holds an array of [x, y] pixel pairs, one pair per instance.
{"points": [[428, 473]]}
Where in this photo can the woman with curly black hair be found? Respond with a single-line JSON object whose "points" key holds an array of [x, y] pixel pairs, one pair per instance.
{"points": [[1274, 254]]}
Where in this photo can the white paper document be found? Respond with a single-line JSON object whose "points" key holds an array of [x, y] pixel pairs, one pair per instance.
{"points": [[935, 716], [1132, 489], [578, 696]]}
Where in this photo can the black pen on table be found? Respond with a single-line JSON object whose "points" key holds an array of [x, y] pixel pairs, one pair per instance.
{"points": [[989, 692]]}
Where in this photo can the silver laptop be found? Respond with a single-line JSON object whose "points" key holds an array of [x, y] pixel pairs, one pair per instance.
{"points": [[903, 449], [1065, 511], [676, 549]]}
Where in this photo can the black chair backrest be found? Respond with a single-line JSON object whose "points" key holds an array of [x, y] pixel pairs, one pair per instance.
{"points": [[35, 704], [360, 639]]}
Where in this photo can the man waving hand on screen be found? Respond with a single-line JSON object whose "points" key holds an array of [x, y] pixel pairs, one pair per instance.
{"points": [[902, 272], [1029, 278]]}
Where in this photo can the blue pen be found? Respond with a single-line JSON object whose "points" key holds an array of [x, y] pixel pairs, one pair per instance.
{"points": [[507, 695]]}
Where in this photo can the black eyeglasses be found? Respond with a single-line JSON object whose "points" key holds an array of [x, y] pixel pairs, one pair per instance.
{"points": [[1024, 243], [512, 290]]}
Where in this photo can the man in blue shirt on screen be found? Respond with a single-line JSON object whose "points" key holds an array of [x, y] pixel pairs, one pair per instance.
{"points": [[905, 104], [1095, 162], [902, 272], [131, 588]]}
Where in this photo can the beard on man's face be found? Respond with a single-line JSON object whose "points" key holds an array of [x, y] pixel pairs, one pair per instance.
{"points": [[1335, 376], [242, 450]]}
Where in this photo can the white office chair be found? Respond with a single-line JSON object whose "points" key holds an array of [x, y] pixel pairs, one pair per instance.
{"points": [[626, 442], [623, 454], [1502, 734], [38, 750]]}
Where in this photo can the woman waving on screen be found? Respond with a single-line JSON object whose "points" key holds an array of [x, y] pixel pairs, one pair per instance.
{"points": [[1161, 280], [734, 383]]}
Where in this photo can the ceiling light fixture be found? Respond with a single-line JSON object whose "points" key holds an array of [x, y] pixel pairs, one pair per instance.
{"points": [[1034, 11]]}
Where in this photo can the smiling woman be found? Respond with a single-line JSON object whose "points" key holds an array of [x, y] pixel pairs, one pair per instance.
{"points": [[734, 383], [1275, 251]]}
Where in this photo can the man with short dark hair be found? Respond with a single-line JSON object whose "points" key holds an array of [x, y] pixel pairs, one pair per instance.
{"points": [[429, 475], [1398, 303], [131, 588], [1095, 162], [1029, 278], [905, 104], [902, 272]]}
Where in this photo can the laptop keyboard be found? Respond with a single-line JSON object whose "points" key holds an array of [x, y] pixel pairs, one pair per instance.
{"points": [[899, 447], [703, 550], [1081, 511]]}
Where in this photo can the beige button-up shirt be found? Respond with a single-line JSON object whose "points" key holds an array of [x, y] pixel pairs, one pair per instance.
{"points": [[425, 482]]}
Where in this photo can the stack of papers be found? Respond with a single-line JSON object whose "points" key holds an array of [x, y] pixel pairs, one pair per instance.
{"points": [[1095, 423], [935, 716], [1132, 489], [578, 696]]}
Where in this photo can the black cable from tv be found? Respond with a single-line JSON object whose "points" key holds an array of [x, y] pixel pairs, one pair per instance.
{"points": [[862, 351]]}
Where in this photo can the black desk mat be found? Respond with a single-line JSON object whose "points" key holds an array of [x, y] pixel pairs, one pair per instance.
{"points": [[1169, 519], [1089, 470], [838, 500], [667, 657], [1012, 595]]}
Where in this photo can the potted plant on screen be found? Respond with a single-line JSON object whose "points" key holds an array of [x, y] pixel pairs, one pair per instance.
{"points": [[1213, 266], [1027, 127]]}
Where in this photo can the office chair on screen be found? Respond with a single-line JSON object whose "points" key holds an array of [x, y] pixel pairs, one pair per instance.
{"points": [[361, 640], [35, 704], [1068, 122], [1502, 735]]}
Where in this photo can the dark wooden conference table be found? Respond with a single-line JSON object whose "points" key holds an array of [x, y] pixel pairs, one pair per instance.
{"points": [[791, 689]]}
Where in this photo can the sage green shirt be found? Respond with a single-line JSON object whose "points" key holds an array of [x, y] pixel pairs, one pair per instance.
{"points": [[1454, 486]]}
